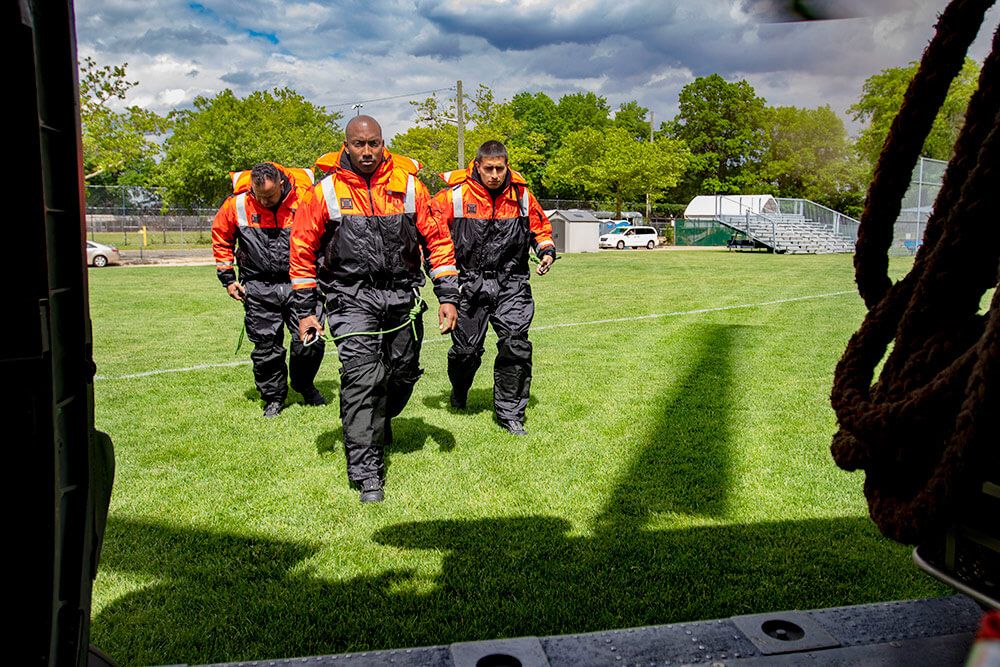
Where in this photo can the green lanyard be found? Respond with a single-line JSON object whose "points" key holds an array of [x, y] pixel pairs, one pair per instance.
{"points": [[411, 320]]}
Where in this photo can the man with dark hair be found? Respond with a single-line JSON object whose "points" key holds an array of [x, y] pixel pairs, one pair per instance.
{"points": [[253, 226], [360, 236], [493, 220]]}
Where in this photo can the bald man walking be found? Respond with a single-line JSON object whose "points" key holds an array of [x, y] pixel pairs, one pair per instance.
{"points": [[361, 236]]}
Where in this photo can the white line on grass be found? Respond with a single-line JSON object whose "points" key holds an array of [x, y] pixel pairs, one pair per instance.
{"points": [[173, 370], [691, 312], [549, 326]]}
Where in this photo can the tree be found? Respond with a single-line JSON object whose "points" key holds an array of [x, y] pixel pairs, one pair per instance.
{"points": [[493, 120], [611, 163], [809, 155], [882, 96], [580, 110], [540, 130], [634, 119], [114, 141], [434, 142], [226, 133], [722, 124]]}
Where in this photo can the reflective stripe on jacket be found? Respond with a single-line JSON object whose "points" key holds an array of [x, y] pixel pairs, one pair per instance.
{"points": [[492, 235], [252, 236], [350, 232]]}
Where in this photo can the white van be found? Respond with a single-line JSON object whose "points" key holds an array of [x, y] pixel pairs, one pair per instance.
{"points": [[631, 237]]}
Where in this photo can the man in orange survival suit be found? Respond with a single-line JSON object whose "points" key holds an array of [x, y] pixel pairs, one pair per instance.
{"points": [[256, 223], [493, 219], [360, 235]]}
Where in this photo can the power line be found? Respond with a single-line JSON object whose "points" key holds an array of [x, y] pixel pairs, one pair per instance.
{"points": [[393, 97]]}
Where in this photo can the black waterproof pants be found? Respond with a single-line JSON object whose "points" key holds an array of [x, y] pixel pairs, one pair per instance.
{"points": [[268, 312], [508, 306], [378, 370]]}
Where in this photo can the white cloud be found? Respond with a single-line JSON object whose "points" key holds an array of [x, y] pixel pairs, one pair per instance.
{"points": [[353, 50]]}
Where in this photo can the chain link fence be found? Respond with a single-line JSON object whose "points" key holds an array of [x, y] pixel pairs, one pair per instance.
{"points": [[133, 216], [128, 215], [917, 205]]}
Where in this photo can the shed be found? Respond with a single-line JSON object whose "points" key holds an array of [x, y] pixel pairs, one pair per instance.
{"points": [[714, 207], [574, 230]]}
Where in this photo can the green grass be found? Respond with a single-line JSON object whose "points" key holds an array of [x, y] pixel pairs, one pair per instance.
{"points": [[677, 469]]}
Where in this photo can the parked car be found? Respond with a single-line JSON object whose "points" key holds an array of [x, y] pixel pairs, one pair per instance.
{"points": [[99, 254], [630, 237]]}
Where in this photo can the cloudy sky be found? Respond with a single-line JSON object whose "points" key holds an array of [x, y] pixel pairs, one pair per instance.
{"points": [[382, 53]]}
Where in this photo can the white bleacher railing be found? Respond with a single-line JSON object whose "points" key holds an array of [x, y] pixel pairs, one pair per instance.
{"points": [[837, 223], [799, 225]]}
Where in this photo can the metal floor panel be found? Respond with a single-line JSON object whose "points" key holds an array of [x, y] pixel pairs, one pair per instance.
{"points": [[933, 631]]}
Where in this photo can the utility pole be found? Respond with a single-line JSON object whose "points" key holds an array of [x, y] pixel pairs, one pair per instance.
{"points": [[460, 118], [649, 206]]}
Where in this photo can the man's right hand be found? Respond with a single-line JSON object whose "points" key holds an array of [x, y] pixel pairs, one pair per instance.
{"points": [[309, 328], [236, 291]]}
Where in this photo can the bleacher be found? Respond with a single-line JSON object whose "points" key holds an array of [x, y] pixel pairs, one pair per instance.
{"points": [[788, 233]]}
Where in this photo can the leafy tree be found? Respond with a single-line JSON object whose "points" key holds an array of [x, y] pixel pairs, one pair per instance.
{"points": [[722, 124], [226, 133], [114, 142], [434, 142], [634, 119], [809, 155], [540, 131], [547, 123], [540, 114], [882, 96], [611, 163], [580, 110], [493, 120]]}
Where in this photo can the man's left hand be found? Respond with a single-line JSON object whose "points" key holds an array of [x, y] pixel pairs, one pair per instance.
{"points": [[447, 317], [543, 265]]}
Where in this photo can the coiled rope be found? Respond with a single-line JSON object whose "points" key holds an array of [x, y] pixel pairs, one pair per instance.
{"points": [[928, 429]]}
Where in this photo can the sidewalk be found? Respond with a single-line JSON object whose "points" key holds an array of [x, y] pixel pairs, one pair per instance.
{"points": [[157, 257]]}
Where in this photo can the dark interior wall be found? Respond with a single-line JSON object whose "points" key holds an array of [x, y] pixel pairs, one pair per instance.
{"points": [[66, 467]]}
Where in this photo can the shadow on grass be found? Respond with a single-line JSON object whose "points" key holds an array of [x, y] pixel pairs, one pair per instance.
{"points": [[686, 463], [479, 400], [409, 434], [217, 597], [230, 598], [329, 389]]}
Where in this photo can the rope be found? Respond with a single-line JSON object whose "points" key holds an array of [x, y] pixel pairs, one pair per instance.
{"points": [[239, 341], [415, 312], [926, 431]]}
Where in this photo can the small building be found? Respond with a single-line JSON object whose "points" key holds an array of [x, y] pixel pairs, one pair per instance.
{"points": [[574, 230]]}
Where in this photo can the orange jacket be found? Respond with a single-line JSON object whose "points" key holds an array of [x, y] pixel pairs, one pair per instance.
{"points": [[349, 231], [252, 235], [492, 235]]}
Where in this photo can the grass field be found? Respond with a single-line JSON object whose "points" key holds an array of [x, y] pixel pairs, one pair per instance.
{"points": [[677, 468]]}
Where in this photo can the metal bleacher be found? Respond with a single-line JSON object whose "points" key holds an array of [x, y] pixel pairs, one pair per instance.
{"points": [[809, 229]]}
